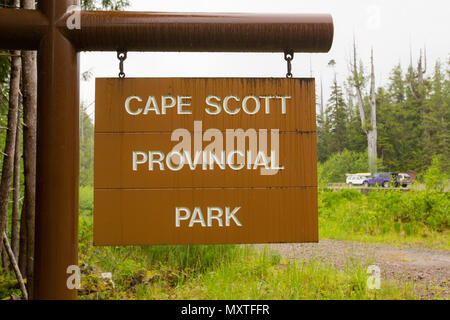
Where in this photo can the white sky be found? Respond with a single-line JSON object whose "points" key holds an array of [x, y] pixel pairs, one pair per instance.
{"points": [[391, 27]]}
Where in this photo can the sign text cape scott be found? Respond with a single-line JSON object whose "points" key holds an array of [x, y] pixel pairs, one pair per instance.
{"points": [[205, 161]]}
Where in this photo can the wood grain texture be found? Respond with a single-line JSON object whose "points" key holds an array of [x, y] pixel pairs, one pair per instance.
{"points": [[112, 118], [147, 217], [138, 207]]}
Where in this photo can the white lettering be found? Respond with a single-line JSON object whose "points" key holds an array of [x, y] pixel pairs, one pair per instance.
{"points": [[127, 105], [136, 161]]}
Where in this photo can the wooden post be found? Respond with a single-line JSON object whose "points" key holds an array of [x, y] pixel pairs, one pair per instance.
{"points": [[57, 158]]}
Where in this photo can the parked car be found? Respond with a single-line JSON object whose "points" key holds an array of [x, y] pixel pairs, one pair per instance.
{"points": [[382, 179], [356, 179], [403, 179]]}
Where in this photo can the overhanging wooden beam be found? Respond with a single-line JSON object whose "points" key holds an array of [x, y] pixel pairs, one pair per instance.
{"points": [[21, 29], [194, 32], [201, 32]]}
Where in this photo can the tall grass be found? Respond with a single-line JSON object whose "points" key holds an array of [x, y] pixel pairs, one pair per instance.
{"points": [[218, 272], [348, 214]]}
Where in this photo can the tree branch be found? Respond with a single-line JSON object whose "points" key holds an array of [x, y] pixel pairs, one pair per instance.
{"points": [[15, 266]]}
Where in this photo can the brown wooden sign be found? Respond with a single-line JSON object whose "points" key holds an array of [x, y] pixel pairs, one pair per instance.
{"points": [[205, 161]]}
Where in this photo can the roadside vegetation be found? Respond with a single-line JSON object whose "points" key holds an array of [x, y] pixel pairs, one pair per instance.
{"points": [[218, 272], [419, 217]]}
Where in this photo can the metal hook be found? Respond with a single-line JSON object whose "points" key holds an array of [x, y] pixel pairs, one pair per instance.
{"points": [[122, 56], [289, 56]]}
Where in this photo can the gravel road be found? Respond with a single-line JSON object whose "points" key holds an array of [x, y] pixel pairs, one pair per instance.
{"points": [[428, 269]]}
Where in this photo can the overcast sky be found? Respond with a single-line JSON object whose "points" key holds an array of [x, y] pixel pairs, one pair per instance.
{"points": [[390, 27]]}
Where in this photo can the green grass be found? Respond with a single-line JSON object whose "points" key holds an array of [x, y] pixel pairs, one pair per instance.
{"points": [[267, 277], [416, 218], [218, 272], [8, 285]]}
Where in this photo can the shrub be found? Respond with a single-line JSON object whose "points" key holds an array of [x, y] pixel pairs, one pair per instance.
{"points": [[86, 202], [382, 212], [339, 164], [435, 178]]}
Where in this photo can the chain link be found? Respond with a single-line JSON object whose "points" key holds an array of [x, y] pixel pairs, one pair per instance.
{"points": [[122, 56], [289, 56]]}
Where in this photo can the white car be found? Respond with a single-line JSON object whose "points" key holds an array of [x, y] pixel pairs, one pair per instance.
{"points": [[355, 180], [403, 179]]}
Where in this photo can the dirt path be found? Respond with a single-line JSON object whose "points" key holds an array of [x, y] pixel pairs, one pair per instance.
{"points": [[428, 269]]}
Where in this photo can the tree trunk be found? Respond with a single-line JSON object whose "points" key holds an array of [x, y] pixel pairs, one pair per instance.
{"points": [[16, 194], [372, 134], [8, 160], [372, 149], [4, 258], [29, 151], [23, 254], [29, 155], [369, 128]]}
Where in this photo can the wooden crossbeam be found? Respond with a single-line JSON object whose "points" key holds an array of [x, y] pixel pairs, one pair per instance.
{"points": [[195, 32]]}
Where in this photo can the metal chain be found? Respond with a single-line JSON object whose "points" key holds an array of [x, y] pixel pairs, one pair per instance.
{"points": [[122, 56], [289, 56]]}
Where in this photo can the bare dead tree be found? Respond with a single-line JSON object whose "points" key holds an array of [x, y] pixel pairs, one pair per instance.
{"points": [[369, 126], [422, 69], [413, 75], [415, 83], [372, 132]]}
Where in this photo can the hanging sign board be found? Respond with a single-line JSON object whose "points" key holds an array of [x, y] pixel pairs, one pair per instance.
{"points": [[205, 161]]}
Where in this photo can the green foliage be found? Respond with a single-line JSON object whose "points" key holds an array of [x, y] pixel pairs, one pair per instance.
{"points": [[337, 117], [8, 285], [334, 199], [436, 178], [112, 5], [86, 149], [335, 168], [321, 176], [86, 199], [436, 119], [348, 214]]}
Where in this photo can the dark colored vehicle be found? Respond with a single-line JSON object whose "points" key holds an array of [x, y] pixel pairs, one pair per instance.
{"points": [[382, 179]]}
